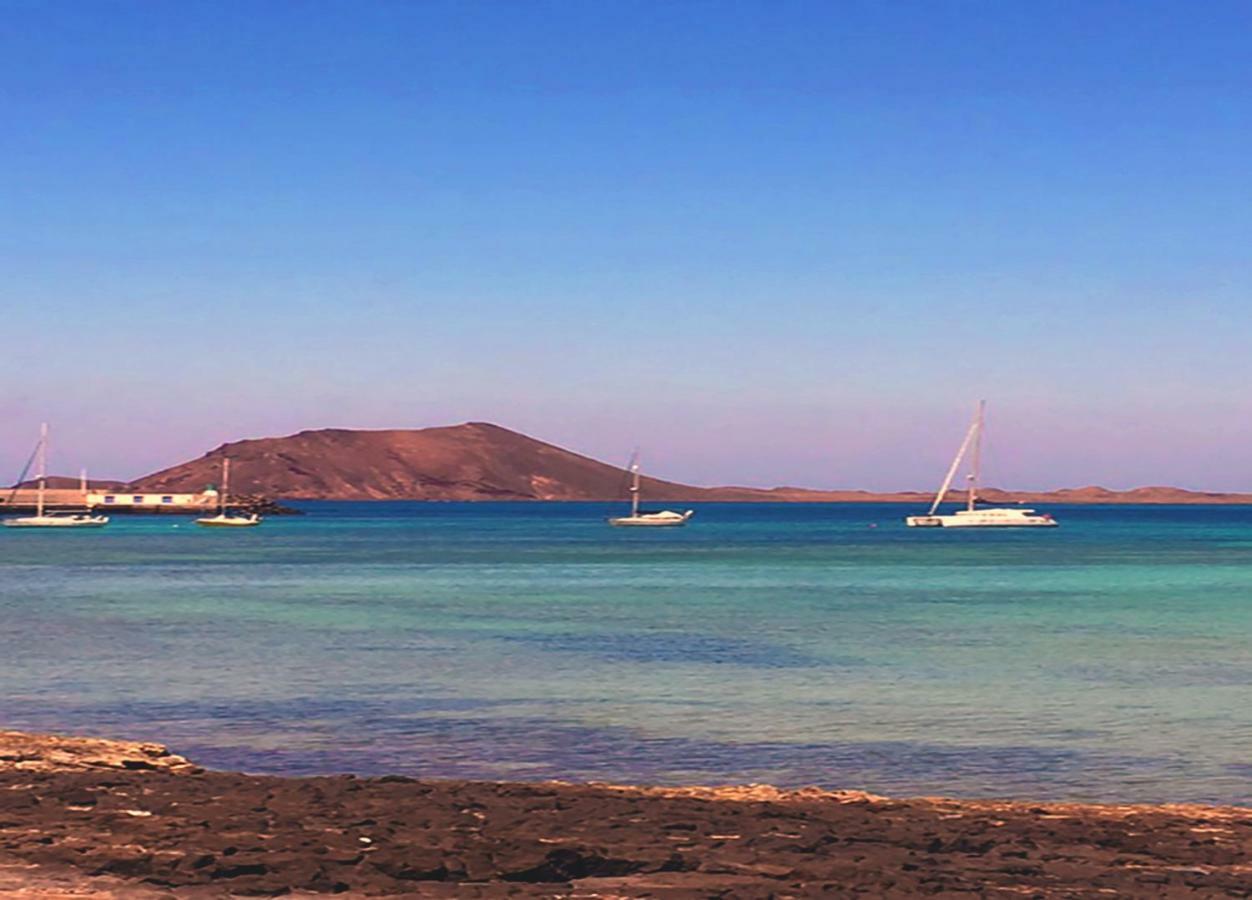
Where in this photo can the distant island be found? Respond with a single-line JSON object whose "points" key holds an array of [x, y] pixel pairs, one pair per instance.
{"points": [[481, 461]]}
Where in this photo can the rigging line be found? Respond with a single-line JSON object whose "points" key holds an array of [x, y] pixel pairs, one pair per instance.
{"points": [[25, 470]]}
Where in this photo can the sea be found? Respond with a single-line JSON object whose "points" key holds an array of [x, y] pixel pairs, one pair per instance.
{"points": [[797, 644]]}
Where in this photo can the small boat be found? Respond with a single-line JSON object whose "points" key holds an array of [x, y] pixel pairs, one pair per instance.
{"points": [[973, 516], [225, 518], [42, 518], [638, 517]]}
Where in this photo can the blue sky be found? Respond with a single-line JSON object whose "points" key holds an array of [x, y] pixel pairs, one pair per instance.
{"points": [[778, 242]]}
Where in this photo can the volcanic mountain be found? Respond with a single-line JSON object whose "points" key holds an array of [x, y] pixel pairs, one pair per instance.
{"points": [[474, 461], [480, 461]]}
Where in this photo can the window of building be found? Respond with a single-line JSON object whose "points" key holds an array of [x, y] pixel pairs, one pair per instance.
{"points": [[167, 499], [109, 498], [137, 499]]}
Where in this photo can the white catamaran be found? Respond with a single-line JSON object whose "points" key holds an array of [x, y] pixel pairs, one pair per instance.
{"points": [[42, 518], [972, 516], [224, 517], [644, 518]]}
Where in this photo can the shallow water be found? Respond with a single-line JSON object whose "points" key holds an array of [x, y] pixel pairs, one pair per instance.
{"points": [[796, 644]]}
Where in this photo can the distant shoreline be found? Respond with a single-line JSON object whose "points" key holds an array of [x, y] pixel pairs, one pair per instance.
{"points": [[477, 461], [272, 505], [1126, 498]]}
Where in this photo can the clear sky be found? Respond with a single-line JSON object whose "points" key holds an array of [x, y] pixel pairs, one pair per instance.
{"points": [[772, 243]]}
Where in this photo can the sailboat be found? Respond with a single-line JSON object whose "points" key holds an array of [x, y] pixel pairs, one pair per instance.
{"points": [[42, 518], [972, 516], [224, 517], [640, 517]]}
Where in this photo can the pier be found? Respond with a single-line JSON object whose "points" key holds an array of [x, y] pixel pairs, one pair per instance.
{"points": [[23, 500]]}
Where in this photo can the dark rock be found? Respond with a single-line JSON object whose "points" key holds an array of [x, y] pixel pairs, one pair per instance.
{"points": [[442, 839]]}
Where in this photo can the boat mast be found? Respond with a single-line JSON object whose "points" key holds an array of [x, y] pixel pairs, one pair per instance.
{"points": [[634, 487], [225, 484], [972, 497], [956, 464], [43, 468]]}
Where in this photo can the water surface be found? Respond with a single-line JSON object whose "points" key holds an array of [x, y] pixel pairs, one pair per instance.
{"points": [[786, 643]]}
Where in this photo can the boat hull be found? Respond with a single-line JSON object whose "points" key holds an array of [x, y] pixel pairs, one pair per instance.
{"points": [[78, 521], [986, 518], [229, 521], [665, 519]]}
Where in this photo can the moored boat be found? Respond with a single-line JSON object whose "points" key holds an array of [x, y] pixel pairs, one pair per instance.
{"points": [[225, 518], [643, 518], [973, 516], [51, 519]]}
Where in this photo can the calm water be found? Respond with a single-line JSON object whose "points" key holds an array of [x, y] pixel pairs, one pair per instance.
{"points": [[794, 644]]}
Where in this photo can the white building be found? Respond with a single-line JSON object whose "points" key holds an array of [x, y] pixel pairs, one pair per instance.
{"points": [[154, 502]]}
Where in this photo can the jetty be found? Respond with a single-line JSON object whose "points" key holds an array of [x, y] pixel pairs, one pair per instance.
{"points": [[23, 500]]}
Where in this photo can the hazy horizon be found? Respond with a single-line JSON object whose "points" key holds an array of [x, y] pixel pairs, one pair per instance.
{"points": [[769, 243]]}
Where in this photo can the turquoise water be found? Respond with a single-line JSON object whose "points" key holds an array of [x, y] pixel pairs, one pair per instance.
{"points": [[794, 644]]}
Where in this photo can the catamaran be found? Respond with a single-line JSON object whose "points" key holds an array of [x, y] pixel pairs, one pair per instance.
{"points": [[972, 516], [42, 518], [645, 518], [224, 517]]}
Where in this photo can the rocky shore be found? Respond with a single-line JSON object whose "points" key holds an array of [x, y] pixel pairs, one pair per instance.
{"points": [[83, 817]]}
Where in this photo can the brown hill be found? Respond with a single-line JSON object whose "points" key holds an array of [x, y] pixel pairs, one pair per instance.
{"points": [[474, 461], [480, 461]]}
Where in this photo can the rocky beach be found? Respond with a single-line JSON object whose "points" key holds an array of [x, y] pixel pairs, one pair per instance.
{"points": [[81, 817]]}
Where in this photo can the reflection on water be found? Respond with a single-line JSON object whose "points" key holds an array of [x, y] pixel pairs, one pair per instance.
{"points": [[1107, 659]]}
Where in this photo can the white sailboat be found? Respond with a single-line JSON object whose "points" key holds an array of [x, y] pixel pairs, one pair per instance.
{"points": [[972, 516], [224, 517], [642, 518], [42, 518]]}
